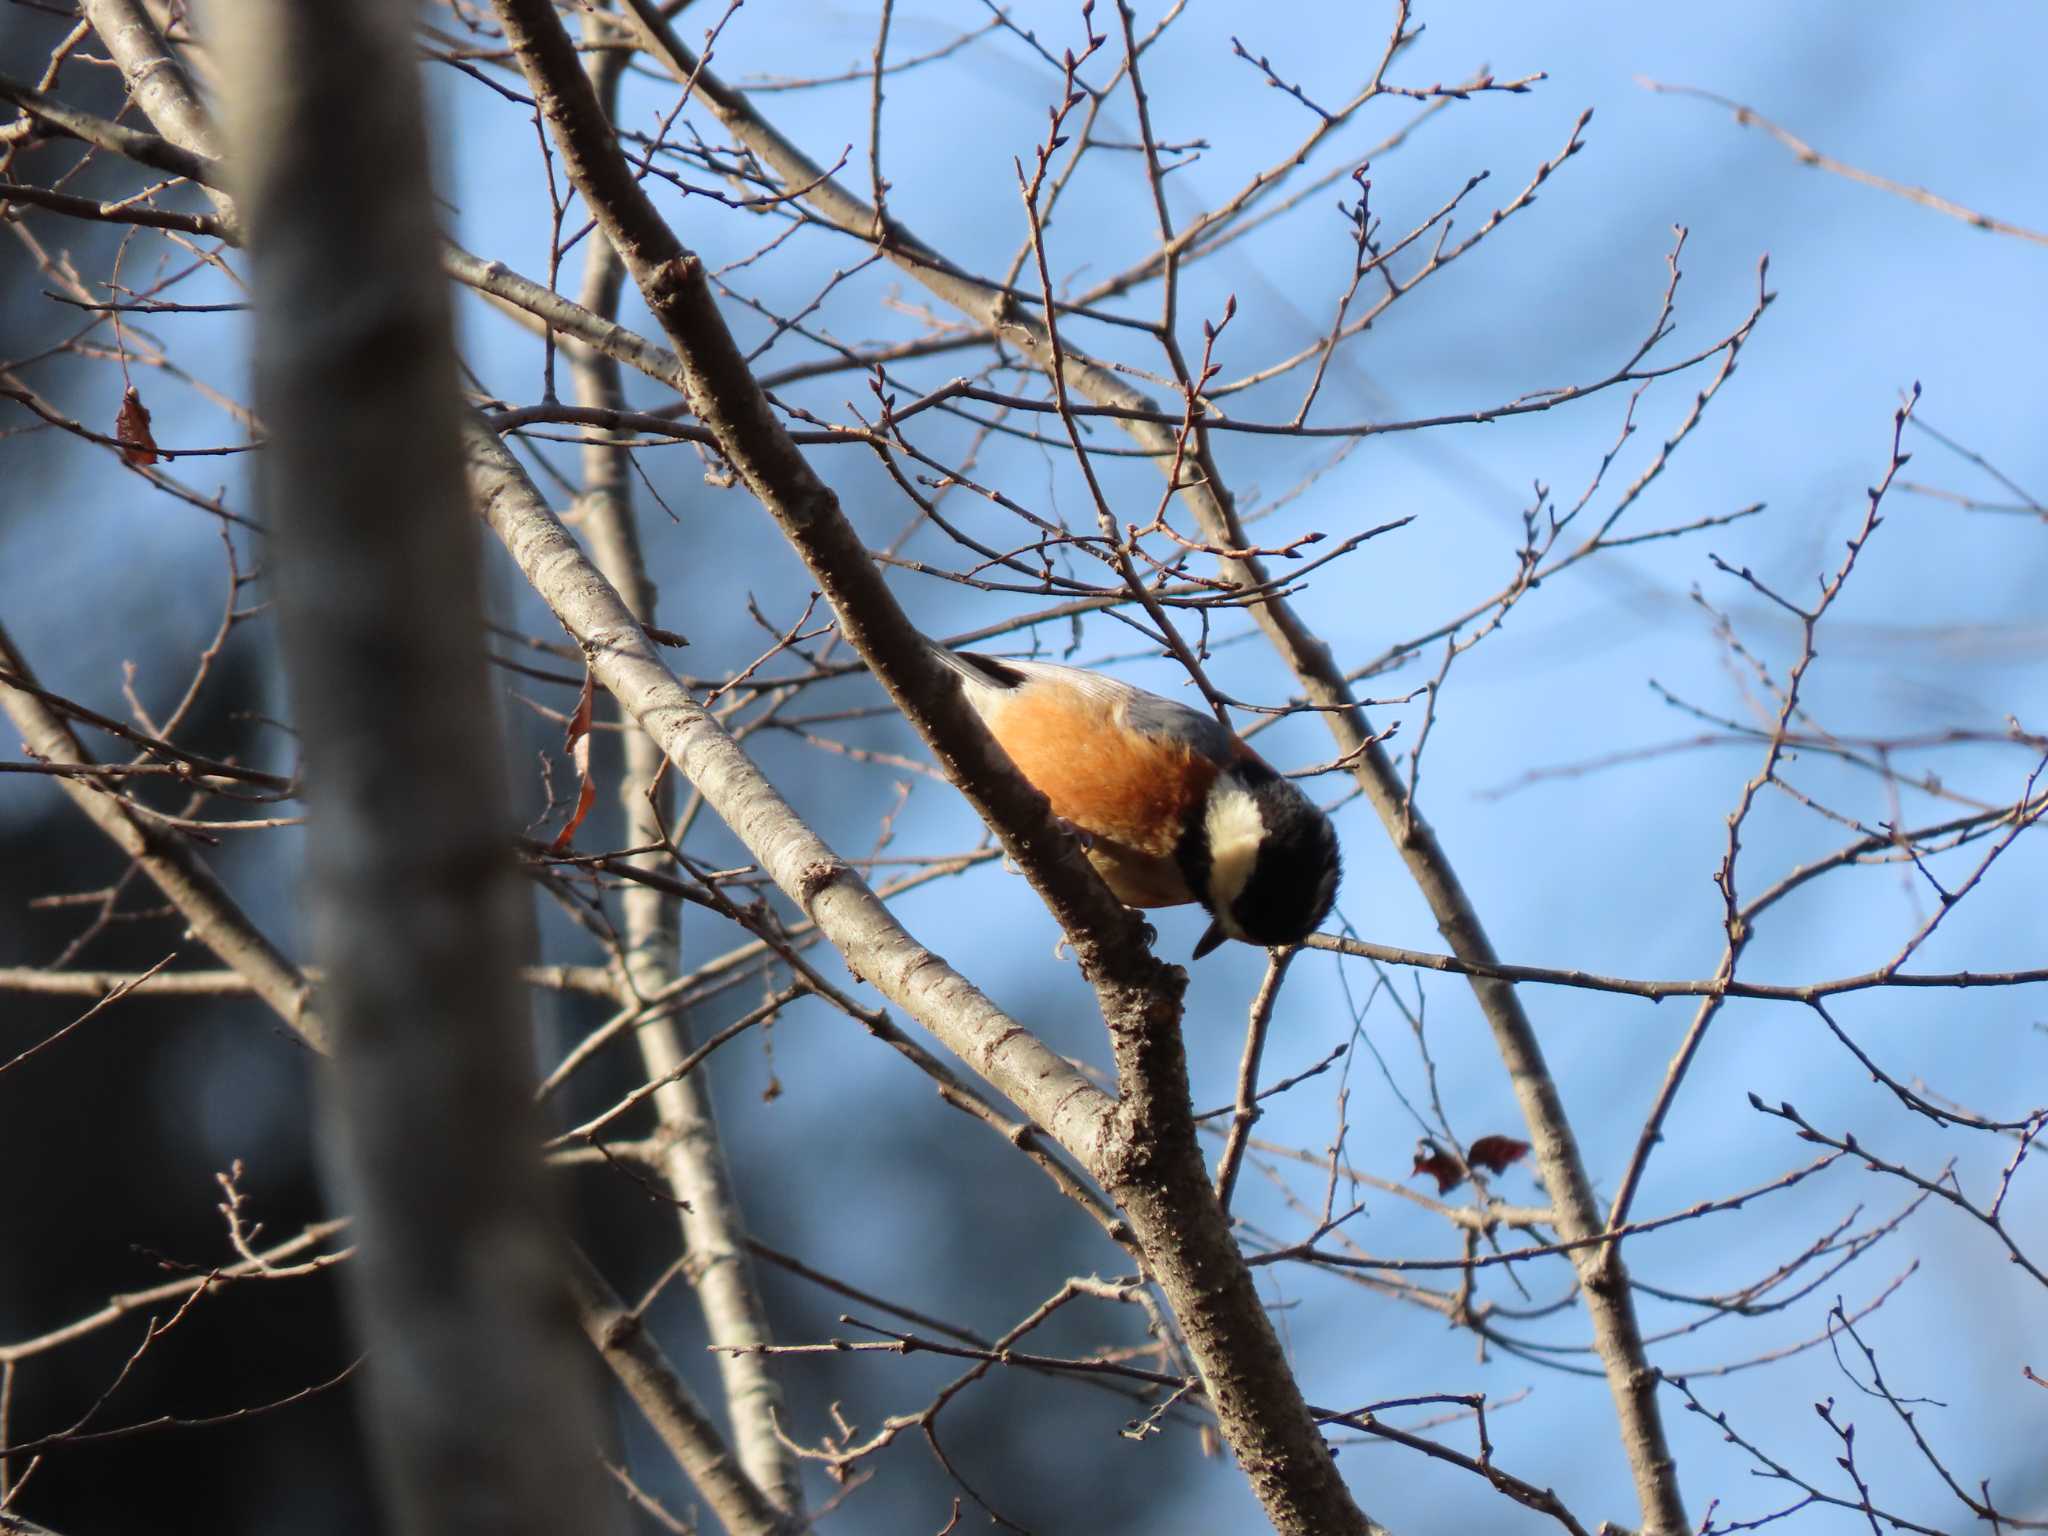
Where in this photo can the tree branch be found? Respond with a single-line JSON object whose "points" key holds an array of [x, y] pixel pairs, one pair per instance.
{"points": [[713, 1228]]}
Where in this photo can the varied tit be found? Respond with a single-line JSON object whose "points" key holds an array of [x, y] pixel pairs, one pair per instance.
{"points": [[1171, 806]]}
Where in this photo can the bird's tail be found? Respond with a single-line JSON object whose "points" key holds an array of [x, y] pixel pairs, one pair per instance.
{"points": [[977, 671]]}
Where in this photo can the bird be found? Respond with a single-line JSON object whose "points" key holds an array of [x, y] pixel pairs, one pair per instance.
{"points": [[1170, 805]]}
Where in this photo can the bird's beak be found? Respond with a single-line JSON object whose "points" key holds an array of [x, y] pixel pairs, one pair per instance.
{"points": [[1211, 937]]}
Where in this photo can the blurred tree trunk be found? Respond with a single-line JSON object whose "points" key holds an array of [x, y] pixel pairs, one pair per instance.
{"points": [[478, 1401]]}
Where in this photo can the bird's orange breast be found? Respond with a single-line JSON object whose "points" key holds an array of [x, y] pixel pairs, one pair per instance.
{"points": [[1132, 793]]}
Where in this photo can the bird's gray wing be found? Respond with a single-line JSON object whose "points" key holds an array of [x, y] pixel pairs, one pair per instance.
{"points": [[1142, 711]]}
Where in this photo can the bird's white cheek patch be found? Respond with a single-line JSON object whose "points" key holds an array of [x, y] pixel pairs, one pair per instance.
{"points": [[1235, 832]]}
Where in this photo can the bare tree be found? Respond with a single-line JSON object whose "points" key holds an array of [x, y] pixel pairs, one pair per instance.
{"points": [[1019, 394]]}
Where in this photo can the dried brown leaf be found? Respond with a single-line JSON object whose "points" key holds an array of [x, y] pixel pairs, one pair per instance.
{"points": [[131, 427]]}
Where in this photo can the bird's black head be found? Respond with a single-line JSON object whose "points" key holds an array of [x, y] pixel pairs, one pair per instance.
{"points": [[1270, 861], [1294, 880]]}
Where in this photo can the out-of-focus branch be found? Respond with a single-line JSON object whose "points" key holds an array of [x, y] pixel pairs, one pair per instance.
{"points": [[590, 979], [477, 1402], [191, 157], [14, 1525], [112, 213], [693, 1157], [143, 148], [672, 1409], [154, 74], [537, 302], [259, 1265], [1749, 117], [167, 859]]}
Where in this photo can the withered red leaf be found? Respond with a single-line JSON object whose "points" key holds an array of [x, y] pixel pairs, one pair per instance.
{"points": [[131, 427], [1439, 1165], [577, 745], [1496, 1153]]}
